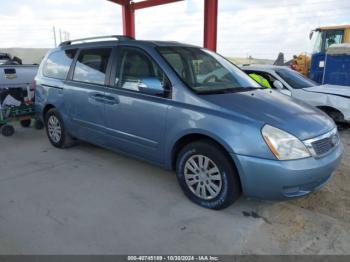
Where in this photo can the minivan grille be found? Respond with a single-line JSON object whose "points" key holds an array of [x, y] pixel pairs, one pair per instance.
{"points": [[323, 146]]}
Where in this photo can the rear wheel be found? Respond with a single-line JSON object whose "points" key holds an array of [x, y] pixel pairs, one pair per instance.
{"points": [[207, 176], [56, 131]]}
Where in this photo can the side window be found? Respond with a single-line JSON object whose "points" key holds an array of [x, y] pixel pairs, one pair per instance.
{"points": [[263, 78], [176, 61], [270, 78], [91, 65], [136, 68], [333, 37], [58, 63]]}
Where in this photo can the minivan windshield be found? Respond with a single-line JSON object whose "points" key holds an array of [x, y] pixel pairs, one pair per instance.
{"points": [[205, 72], [295, 79]]}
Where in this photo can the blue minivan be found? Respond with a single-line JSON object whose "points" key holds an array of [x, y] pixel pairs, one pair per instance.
{"points": [[186, 109]]}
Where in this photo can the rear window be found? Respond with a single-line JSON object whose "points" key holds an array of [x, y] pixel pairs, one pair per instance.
{"points": [[58, 63], [92, 65]]}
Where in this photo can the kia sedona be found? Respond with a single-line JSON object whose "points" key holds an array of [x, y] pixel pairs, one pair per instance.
{"points": [[187, 109]]}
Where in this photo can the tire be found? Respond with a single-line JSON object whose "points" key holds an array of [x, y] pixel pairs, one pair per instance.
{"points": [[38, 124], [26, 122], [56, 131], [220, 187], [7, 130]]}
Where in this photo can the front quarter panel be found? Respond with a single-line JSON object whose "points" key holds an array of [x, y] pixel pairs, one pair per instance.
{"points": [[237, 134], [318, 99]]}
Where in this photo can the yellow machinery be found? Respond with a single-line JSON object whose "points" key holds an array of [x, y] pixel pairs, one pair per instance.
{"points": [[322, 37], [302, 63]]}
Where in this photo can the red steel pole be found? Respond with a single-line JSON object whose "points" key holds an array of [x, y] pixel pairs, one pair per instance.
{"points": [[128, 19], [210, 24], [150, 3]]}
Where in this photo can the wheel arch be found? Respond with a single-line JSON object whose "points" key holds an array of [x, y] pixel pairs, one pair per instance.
{"points": [[329, 110], [46, 108], [185, 139], [196, 136]]}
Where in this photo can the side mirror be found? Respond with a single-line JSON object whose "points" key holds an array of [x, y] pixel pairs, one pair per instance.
{"points": [[311, 34], [277, 84], [151, 86]]}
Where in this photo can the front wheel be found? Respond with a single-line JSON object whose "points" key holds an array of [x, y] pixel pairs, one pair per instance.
{"points": [[207, 175], [56, 130]]}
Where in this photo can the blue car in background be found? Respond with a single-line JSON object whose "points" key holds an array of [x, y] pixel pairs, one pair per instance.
{"points": [[187, 109]]}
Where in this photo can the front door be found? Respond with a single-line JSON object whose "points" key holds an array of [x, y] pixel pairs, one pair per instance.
{"points": [[136, 123]]}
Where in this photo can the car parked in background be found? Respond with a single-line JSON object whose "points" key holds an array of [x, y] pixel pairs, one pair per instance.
{"points": [[16, 84], [332, 99], [187, 109], [4, 57]]}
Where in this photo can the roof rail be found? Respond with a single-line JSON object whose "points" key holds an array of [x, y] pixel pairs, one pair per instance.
{"points": [[118, 37]]}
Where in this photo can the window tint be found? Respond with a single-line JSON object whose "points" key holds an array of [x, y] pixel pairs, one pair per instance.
{"points": [[135, 67], [91, 65], [58, 63]]}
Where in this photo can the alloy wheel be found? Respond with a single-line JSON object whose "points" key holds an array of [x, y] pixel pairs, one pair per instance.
{"points": [[54, 129], [203, 177]]}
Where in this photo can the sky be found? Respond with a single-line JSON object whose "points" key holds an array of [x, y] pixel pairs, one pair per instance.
{"points": [[257, 28]]}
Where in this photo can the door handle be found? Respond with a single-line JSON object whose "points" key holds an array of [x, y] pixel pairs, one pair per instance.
{"points": [[96, 97], [111, 100]]}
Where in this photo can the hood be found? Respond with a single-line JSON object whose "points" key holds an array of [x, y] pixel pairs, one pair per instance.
{"points": [[278, 110], [330, 89]]}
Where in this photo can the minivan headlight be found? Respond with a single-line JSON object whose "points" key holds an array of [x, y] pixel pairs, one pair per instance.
{"points": [[284, 145]]}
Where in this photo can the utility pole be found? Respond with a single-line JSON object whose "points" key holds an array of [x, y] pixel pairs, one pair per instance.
{"points": [[54, 35], [63, 35]]}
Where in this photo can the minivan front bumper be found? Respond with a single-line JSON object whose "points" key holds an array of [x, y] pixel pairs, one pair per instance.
{"points": [[278, 180]]}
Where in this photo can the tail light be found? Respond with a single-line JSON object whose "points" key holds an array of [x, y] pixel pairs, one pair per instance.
{"points": [[33, 86]]}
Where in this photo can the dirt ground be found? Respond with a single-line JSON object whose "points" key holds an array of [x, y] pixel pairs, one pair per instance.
{"points": [[88, 200], [333, 199]]}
